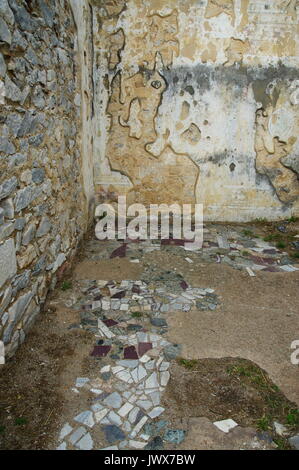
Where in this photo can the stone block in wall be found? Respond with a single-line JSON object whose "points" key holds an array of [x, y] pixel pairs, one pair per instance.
{"points": [[8, 262]]}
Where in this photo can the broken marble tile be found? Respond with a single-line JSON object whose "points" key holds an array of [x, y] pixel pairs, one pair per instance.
{"points": [[114, 418], [156, 412], [100, 415], [125, 409], [125, 376], [139, 426], [66, 429], [114, 400], [86, 443], [164, 378], [77, 434], [81, 381], [136, 444], [225, 425], [86, 418]]}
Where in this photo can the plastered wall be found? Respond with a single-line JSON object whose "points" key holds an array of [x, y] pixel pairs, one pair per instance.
{"points": [[197, 101]]}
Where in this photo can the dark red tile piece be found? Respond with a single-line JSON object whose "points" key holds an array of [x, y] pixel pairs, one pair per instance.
{"points": [[119, 295], [271, 269], [172, 241], [100, 351], [98, 297], [120, 252], [143, 348], [270, 251], [184, 285], [260, 260], [130, 353], [109, 322]]}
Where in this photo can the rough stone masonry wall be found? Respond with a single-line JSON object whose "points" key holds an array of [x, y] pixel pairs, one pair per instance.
{"points": [[42, 205], [197, 100]]}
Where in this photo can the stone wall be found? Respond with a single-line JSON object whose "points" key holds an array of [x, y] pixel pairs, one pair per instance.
{"points": [[43, 208], [197, 100]]}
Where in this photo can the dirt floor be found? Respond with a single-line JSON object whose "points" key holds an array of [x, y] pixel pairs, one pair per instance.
{"points": [[256, 320]]}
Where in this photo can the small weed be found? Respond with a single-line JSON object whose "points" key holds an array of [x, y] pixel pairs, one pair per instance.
{"points": [[20, 421], [137, 314], [188, 363], [239, 370], [248, 233], [271, 237], [295, 255], [245, 253], [2, 429], [292, 219], [66, 285], [282, 444], [260, 220], [281, 244], [263, 423], [292, 417]]}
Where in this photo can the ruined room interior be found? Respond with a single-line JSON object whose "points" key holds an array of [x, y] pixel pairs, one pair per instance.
{"points": [[147, 344]]}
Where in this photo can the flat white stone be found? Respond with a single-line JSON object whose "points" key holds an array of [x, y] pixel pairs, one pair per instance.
{"points": [[156, 412], [280, 429], [125, 376], [113, 400], [137, 444], [104, 329], [114, 418], [133, 414], [66, 429], [96, 304], [97, 407], [86, 443], [139, 426], [225, 425], [129, 363], [117, 369], [152, 381], [105, 421], [110, 448], [164, 366], [62, 446], [86, 418], [150, 365], [96, 391], [105, 305], [164, 377], [124, 307], [127, 426], [125, 409], [145, 437], [100, 415], [132, 398], [145, 358], [77, 434], [81, 381], [145, 404], [155, 397], [105, 369]]}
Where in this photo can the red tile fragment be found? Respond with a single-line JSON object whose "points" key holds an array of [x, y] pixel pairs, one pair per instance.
{"points": [[109, 322], [130, 353], [100, 351], [143, 348]]}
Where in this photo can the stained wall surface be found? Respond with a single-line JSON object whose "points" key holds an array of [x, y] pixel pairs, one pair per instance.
{"points": [[197, 101]]}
